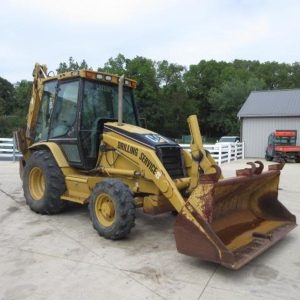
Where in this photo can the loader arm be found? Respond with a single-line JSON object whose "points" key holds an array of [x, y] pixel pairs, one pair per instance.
{"points": [[153, 170], [202, 161]]}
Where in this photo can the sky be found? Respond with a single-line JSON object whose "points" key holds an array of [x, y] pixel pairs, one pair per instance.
{"points": [[180, 31]]}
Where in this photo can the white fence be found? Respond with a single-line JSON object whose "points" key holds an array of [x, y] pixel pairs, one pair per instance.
{"points": [[8, 149], [223, 153], [220, 153]]}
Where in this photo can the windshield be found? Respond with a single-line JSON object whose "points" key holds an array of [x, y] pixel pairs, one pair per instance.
{"points": [[285, 140], [100, 101], [227, 139]]}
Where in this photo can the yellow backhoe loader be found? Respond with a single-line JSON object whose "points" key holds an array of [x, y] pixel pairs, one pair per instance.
{"points": [[83, 144]]}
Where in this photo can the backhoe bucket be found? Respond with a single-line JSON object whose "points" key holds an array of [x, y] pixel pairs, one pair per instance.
{"points": [[231, 221]]}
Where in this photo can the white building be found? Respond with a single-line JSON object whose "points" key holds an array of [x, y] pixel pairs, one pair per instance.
{"points": [[267, 111]]}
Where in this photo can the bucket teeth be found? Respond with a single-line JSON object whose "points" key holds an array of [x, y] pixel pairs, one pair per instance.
{"points": [[211, 178], [260, 167], [256, 170], [247, 171]]}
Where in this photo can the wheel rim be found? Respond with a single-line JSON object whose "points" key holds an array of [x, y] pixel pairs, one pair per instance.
{"points": [[105, 210], [36, 183]]}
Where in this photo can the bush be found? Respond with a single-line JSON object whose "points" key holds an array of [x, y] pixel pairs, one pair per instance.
{"points": [[8, 124]]}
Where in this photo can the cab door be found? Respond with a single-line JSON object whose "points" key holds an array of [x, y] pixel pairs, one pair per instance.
{"points": [[64, 120], [41, 131]]}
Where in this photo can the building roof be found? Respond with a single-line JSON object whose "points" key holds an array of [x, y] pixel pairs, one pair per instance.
{"points": [[276, 103]]}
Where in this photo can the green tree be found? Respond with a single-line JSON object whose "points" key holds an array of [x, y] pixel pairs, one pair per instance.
{"points": [[227, 100], [175, 104], [143, 70], [244, 69], [167, 92], [199, 80], [72, 65], [2, 106], [7, 97], [276, 75], [116, 65], [23, 90], [295, 75], [8, 124], [169, 73], [14, 102]]}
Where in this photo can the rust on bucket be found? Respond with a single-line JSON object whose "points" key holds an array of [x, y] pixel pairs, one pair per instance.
{"points": [[239, 217]]}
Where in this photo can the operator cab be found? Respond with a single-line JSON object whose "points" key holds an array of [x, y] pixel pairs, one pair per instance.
{"points": [[74, 109]]}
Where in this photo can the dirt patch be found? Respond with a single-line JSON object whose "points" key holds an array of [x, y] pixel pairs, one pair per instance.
{"points": [[13, 209]]}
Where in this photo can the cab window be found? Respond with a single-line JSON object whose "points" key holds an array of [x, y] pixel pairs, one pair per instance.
{"points": [[101, 101], [43, 120], [100, 105], [64, 113]]}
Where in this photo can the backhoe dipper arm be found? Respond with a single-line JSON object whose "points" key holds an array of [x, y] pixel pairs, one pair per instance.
{"points": [[25, 136], [39, 73]]}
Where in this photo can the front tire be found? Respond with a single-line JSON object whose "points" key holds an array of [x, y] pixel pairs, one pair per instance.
{"points": [[112, 210], [268, 158], [43, 183]]}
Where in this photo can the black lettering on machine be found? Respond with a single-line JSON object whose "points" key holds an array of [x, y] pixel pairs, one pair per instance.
{"points": [[150, 165], [127, 148]]}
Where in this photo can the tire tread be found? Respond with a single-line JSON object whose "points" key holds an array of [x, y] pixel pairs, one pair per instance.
{"points": [[54, 181], [123, 200]]}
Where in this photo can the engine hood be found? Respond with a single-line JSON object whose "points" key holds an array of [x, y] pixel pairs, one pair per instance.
{"points": [[140, 135]]}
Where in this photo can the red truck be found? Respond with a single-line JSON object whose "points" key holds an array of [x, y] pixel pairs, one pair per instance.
{"points": [[282, 144]]}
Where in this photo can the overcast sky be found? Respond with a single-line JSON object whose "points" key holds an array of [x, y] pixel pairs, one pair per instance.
{"points": [[183, 32]]}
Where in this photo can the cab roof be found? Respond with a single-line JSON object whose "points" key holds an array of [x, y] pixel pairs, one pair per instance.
{"points": [[99, 76], [285, 133]]}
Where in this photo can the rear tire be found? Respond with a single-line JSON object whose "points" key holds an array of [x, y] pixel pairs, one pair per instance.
{"points": [[43, 183], [112, 210]]}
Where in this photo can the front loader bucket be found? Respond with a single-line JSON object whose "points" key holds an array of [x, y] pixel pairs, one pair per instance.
{"points": [[231, 221]]}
